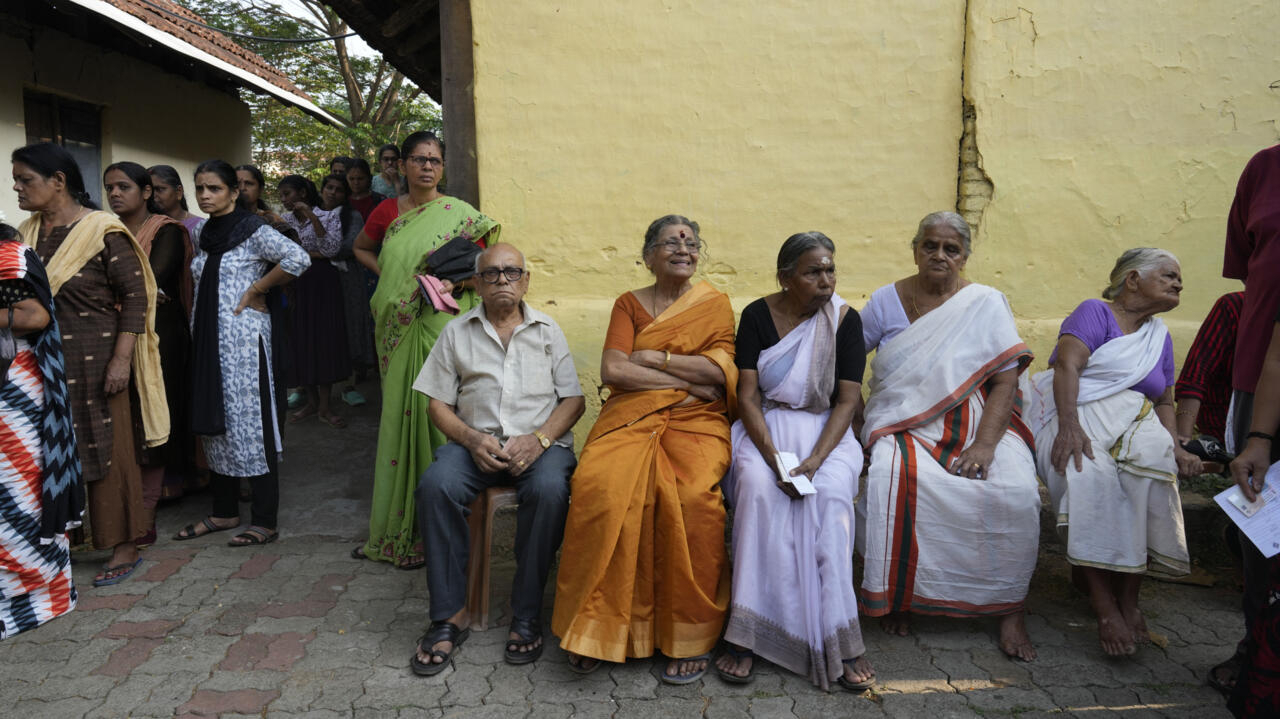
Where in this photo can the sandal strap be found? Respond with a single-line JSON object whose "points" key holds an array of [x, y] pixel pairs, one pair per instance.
{"points": [[529, 631], [739, 654], [440, 632]]}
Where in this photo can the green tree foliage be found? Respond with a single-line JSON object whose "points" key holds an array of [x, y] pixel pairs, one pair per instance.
{"points": [[374, 101]]}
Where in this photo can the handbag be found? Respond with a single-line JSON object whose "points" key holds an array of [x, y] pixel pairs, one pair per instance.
{"points": [[433, 291], [455, 260]]}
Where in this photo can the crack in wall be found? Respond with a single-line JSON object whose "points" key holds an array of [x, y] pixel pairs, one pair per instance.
{"points": [[974, 187]]}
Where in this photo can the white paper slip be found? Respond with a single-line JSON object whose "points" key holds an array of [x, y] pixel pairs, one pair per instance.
{"points": [[1260, 519], [787, 461]]}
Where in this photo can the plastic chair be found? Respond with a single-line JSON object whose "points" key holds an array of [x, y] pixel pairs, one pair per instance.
{"points": [[481, 525]]}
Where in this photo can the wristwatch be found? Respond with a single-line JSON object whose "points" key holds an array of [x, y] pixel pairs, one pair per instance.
{"points": [[543, 439]]}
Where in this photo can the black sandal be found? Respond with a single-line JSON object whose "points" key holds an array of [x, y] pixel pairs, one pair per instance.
{"points": [[738, 655], [519, 651], [189, 531], [436, 633]]}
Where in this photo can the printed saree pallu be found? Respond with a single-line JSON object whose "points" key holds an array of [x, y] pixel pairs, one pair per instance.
{"points": [[934, 542], [405, 329], [643, 566]]}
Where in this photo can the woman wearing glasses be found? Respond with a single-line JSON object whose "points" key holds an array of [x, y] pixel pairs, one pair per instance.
{"points": [[408, 228], [643, 566]]}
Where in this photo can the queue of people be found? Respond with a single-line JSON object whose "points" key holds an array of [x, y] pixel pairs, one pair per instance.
{"points": [[135, 330]]}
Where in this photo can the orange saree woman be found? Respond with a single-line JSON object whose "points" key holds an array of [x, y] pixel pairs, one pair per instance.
{"points": [[643, 565]]}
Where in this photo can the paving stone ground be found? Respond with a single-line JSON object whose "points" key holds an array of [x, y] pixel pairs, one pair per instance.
{"points": [[299, 629]]}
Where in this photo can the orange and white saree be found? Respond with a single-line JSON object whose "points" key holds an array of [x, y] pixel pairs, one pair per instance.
{"points": [[643, 565]]}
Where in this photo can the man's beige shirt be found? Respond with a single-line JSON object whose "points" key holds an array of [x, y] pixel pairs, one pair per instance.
{"points": [[503, 392]]}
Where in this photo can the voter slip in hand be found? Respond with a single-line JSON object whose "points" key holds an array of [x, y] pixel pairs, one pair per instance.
{"points": [[1259, 519], [784, 462]]}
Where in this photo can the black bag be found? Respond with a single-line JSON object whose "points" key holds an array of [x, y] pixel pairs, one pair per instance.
{"points": [[455, 260]]}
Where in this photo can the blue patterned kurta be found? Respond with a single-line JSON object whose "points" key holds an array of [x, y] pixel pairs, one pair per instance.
{"points": [[239, 452]]}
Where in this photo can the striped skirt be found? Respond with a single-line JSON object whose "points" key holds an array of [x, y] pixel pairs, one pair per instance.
{"points": [[935, 543], [35, 578]]}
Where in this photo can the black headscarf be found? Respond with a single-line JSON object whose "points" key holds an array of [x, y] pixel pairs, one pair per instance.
{"points": [[220, 235]]}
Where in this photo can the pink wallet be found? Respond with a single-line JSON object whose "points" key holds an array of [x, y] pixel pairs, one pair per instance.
{"points": [[433, 290]]}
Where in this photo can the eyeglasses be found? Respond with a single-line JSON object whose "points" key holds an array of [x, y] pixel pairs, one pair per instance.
{"points": [[513, 274], [423, 161], [690, 245]]}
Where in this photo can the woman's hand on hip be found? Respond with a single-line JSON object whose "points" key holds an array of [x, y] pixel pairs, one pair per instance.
{"points": [[974, 462], [253, 299], [1071, 443], [117, 377]]}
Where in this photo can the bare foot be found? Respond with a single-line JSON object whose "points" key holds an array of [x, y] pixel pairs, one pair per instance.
{"points": [[898, 623], [1115, 635], [1137, 625], [739, 666], [1014, 640]]}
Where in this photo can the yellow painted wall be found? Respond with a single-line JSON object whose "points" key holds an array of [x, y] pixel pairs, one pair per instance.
{"points": [[149, 116], [1106, 125], [757, 120], [1101, 126]]}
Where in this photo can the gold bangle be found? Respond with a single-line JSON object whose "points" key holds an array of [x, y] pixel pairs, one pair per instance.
{"points": [[666, 361], [135, 334]]}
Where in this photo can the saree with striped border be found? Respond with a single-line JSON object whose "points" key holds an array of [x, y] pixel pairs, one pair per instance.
{"points": [[933, 542]]}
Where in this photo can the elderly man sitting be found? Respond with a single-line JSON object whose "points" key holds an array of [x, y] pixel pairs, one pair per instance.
{"points": [[504, 391]]}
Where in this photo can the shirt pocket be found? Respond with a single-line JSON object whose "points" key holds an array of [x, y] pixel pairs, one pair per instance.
{"points": [[535, 369]]}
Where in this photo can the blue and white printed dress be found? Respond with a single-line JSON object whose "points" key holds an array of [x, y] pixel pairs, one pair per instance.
{"points": [[240, 451]]}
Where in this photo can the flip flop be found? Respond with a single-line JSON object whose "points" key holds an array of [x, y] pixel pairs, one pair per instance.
{"points": [[738, 655], [295, 399], [109, 575], [682, 679], [353, 397], [253, 536], [529, 631], [189, 531], [861, 686], [438, 632], [304, 413], [358, 553]]}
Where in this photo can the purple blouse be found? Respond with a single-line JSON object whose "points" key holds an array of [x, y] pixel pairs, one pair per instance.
{"points": [[1094, 324]]}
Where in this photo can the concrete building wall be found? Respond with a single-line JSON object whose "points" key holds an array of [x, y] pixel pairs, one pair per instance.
{"points": [[1092, 127], [1104, 126], [149, 116], [756, 120]]}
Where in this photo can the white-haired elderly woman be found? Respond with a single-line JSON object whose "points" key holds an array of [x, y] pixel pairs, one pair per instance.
{"points": [[1104, 427], [951, 513]]}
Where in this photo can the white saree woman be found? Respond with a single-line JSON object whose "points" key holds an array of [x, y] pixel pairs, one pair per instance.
{"points": [[951, 514]]}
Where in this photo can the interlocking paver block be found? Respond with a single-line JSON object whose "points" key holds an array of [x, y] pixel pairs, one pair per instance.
{"points": [[207, 702], [127, 658]]}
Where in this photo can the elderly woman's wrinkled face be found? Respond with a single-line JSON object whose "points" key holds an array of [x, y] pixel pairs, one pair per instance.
{"points": [[940, 253], [1161, 286], [814, 280], [675, 253]]}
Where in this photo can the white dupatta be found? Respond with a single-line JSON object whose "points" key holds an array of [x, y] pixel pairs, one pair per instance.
{"points": [[1117, 365], [940, 359]]}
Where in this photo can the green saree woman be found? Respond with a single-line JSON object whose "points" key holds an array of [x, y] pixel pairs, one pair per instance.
{"points": [[405, 329]]}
